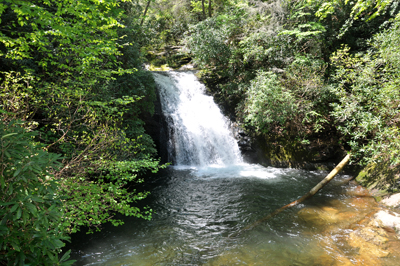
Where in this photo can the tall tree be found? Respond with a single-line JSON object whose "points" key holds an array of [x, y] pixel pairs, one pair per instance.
{"points": [[145, 12], [204, 11]]}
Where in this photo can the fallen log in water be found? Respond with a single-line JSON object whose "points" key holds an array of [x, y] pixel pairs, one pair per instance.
{"points": [[311, 193]]}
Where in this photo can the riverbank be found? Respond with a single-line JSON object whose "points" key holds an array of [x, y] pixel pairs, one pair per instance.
{"points": [[365, 234]]}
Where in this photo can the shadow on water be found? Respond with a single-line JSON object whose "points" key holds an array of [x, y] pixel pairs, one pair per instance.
{"points": [[197, 210]]}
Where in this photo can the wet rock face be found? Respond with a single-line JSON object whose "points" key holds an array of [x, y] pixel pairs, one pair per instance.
{"points": [[156, 127], [172, 56], [382, 178], [246, 144], [281, 152]]}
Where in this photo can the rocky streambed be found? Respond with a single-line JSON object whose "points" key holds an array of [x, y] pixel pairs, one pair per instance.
{"points": [[356, 230]]}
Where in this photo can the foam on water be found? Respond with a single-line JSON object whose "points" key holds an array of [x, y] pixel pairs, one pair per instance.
{"points": [[237, 170]]}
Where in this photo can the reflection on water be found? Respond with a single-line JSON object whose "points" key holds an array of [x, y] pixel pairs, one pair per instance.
{"points": [[197, 212]]}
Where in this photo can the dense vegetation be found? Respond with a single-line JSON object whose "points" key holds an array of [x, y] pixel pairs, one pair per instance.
{"points": [[303, 71], [72, 142], [73, 91]]}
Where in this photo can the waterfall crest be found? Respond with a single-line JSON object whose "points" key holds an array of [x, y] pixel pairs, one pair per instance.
{"points": [[199, 134]]}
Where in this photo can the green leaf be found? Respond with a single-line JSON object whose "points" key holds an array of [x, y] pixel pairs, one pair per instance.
{"points": [[3, 229], [18, 215], [6, 203], [58, 243], [15, 245], [14, 207], [32, 208], [17, 172], [65, 256], [8, 135]]}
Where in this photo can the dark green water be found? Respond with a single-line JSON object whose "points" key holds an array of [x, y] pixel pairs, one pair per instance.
{"points": [[199, 217]]}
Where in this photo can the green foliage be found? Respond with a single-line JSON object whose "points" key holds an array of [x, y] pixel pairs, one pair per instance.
{"points": [[109, 189], [53, 29], [102, 200], [305, 78], [304, 31], [373, 8], [267, 50], [293, 104], [374, 14], [70, 70], [30, 216], [16, 99], [268, 104], [166, 23], [368, 90], [362, 6], [209, 42], [197, 6]]}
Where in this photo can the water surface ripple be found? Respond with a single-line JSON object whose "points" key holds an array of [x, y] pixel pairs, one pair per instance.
{"points": [[198, 210]]}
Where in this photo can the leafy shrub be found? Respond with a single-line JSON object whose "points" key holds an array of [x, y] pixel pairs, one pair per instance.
{"points": [[30, 206], [209, 41], [108, 190], [72, 73], [267, 50], [367, 113], [304, 77], [268, 105], [17, 95]]}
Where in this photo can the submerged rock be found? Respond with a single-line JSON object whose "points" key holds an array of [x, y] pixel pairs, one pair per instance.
{"points": [[319, 216], [370, 246], [328, 259], [323, 217]]}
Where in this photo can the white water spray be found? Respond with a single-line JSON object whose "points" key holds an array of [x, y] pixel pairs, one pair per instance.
{"points": [[199, 133]]}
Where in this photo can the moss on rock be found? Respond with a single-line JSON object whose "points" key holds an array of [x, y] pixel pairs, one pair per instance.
{"points": [[169, 57], [380, 178], [282, 152]]}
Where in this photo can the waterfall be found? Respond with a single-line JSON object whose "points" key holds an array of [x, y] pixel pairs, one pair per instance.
{"points": [[199, 134]]}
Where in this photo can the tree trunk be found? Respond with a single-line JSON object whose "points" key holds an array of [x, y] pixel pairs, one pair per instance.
{"points": [[145, 12], [209, 8], [311, 193], [204, 10]]}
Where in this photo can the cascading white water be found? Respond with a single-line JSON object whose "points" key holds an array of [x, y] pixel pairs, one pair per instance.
{"points": [[199, 134]]}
